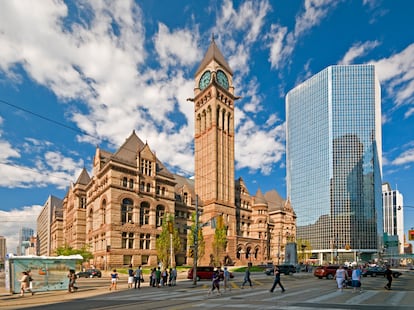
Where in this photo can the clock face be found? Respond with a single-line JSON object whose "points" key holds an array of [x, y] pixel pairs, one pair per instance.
{"points": [[222, 79], [204, 80]]}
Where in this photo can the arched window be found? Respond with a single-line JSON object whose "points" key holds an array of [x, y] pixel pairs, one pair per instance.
{"points": [[131, 183], [160, 215], [124, 182], [144, 213], [148, 187], [126, 210]]}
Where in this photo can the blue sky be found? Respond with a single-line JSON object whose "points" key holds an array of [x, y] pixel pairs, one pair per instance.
{"points": [[75, 74]]}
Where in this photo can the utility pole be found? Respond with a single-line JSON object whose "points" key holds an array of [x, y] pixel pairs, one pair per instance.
{"points": [[195, 244]]}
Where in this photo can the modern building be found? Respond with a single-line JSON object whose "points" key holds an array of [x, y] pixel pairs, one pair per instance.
{"points": [[119, 210], [333, 159], [3, 251], [25, 233], [50, 217], [393, 210]]}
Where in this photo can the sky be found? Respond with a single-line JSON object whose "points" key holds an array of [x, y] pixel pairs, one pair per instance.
{"points": [[79, 74]]}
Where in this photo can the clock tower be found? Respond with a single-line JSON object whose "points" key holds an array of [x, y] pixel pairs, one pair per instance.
{"points": [[214, 150]]}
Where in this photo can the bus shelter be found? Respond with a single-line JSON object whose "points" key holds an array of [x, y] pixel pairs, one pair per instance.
{"points": [[47, 273]]}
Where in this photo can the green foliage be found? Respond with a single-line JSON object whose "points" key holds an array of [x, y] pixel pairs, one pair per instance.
{"points": [[201, 243], [163, 241], [303, 248], [220, 239], [67, 250]]}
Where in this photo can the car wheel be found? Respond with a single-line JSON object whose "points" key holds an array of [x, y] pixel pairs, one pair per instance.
{"points": [[374, 275], [198, 278], [320, 277], [396, 275], [329, 276]]}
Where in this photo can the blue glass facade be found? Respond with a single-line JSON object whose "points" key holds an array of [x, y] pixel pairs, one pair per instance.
{"points": [[333, 156]]}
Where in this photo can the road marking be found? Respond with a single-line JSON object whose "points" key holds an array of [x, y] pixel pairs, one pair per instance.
{"points": [[279, 295], [365, 295], [396, 298], [325, 297]]}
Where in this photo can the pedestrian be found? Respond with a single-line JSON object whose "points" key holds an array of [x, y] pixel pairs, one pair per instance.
{"points": [[277, 280], [226, 278], [114, 279], [24, 283], [340, 277], [164, 277], [72, 281], [138, 277], [153, 279], [215, 284], [247, 277], [158, 276], [29, 273], [388, 274], [173, 276], [356, 279], [130, 276]]}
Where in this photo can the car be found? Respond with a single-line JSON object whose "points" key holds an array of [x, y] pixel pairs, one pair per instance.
{"points": [[205, 273], [89, 273], [329, 271], [285, 269], [379, 271]]}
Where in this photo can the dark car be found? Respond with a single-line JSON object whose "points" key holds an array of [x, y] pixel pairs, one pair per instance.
{"points": [[285, 269], [329, 271], [205, 273], [89, 273], [379, 271]]}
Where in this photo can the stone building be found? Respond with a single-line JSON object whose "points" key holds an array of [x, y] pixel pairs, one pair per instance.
{"points": [[119, 210]]}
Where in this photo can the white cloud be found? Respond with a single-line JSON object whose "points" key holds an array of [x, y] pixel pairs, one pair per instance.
{"points": [[405, 158], [396, 74], [357, 50], [12, 221], [282, 42]]}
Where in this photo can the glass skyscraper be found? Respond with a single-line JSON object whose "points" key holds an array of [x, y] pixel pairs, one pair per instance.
{"points": [[333, 156]]}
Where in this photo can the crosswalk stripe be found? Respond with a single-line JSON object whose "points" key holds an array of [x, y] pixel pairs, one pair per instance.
{"points": [[278, 295], [365, 295], [396, 298]]}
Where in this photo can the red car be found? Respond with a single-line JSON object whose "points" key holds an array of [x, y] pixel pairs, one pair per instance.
{"points": [[206, 273], [329, 271]]}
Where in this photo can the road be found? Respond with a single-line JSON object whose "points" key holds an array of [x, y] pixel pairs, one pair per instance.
{"points": [[302, 292]]}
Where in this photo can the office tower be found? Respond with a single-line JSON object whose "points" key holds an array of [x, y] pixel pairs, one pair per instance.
{"points": [[24, 239], [49, 218], [333, 156], [393, 209], [3, 251]]}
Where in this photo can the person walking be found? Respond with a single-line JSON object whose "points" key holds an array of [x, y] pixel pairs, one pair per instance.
{"points": [[356, 279], [388, 275], [247, 277], [24, 283], [226, 278], [277, 280], [215, 284], [72, 281], [340, 277], [114, 280], [130, 276]]}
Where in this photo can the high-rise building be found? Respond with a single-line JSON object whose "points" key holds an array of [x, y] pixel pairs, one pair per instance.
{"points": [[393, 210], [3, 251], [50, 217], [25, 234], [333, 156]]}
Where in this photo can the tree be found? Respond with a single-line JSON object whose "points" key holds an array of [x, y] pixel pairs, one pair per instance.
{"points": [[220, 239], [201, 243], [302, 246], [163, 241], [67, 250]]}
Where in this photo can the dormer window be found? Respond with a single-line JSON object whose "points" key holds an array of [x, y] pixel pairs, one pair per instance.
{"points": [[146, 167]]}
